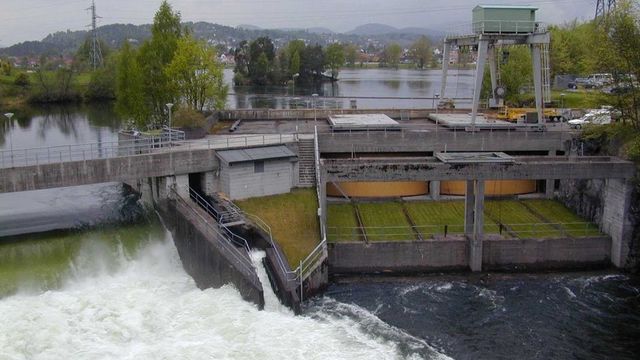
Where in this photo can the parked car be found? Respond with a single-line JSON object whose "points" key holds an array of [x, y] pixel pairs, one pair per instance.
{"points": [[600, 116]]}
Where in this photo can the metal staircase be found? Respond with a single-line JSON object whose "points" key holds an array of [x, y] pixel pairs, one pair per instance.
{"points": [[306, 163]]}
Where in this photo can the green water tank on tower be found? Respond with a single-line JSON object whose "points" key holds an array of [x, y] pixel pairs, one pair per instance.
{"points": [[504, 19]]}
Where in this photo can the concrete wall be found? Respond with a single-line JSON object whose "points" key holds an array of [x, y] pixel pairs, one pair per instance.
{"points": [[546, 253], [203, 256], [616, 219], [452, 254], [397, 256], [240, 181], [439, 141]]}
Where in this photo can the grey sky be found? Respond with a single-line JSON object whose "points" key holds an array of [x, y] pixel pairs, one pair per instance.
{"points": [[22, 20]]}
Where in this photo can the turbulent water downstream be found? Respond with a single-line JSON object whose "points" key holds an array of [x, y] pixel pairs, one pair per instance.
{"points": [[121, 293], [118, 291], [124, 295]]}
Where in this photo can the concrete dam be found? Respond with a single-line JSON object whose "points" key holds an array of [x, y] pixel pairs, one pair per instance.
{"points": [[194, 184]]}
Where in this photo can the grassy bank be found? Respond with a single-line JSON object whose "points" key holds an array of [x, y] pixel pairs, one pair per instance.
{"points": [[293, 220]]}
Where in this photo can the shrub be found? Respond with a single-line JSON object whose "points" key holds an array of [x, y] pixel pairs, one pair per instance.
{"points": [[188, 118]]}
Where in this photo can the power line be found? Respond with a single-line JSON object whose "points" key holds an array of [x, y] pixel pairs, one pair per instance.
{"points": [[96, 52], [603, 8]]}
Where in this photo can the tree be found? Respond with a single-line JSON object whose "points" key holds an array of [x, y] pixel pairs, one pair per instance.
{"points": [[334, 57], [261, 55], [103, 82], [197, 76], [312, 64], [351, 54], [517, 72], [392, 54], [241, 70], [620, 48], [420, 52], [130, 99], [293, 54], [155, 54]]}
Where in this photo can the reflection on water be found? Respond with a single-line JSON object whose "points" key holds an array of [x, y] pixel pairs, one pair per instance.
{"points": [[59, 125], [370, 88]]}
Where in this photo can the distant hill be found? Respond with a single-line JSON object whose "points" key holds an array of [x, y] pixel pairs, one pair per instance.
{"points": [[382, 29], [373, 29], [311, 30], [114, 35]]}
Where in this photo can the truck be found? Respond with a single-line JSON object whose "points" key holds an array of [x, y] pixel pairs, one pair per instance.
{"points": [[514, 114]]}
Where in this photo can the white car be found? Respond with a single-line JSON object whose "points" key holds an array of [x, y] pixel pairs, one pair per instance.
{"points": [[602, 116]]}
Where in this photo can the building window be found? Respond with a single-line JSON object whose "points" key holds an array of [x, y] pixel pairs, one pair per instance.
{"points": [[258, 166]]}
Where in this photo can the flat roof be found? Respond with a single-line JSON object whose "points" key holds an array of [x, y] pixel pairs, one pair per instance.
{"points": [[362, 121], [510, 7], [255, 154]]}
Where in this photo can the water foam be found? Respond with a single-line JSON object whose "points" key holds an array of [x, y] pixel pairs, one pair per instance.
{"points": [[146, 307]]}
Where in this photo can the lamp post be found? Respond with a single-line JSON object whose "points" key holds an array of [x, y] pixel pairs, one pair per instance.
{"points": [[293, 77], [315, 96], [9, 116], [169, 106]]}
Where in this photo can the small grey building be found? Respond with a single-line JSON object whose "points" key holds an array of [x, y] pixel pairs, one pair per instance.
{"points": [[259, 171]]}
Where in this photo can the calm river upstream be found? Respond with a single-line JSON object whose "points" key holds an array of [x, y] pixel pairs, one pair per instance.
{"points": [[113, 286]]}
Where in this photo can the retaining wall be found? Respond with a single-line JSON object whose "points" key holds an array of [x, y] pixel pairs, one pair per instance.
{"points": [[203, 257], [452, 254]]}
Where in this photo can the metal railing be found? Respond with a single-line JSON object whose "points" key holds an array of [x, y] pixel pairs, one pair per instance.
{"points": [[410, 233], [291, 275], [101, 150], [237, 247], [508, 27]]}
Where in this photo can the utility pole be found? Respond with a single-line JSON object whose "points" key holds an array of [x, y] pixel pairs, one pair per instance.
{"points": [[96, 53], [603, 8]]}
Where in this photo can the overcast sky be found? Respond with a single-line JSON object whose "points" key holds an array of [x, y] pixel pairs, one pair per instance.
{"points": [[22, 20]]}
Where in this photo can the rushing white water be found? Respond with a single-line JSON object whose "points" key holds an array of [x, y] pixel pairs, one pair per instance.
{"points": [[146, 307]]}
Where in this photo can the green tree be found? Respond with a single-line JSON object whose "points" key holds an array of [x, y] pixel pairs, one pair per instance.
{"points": [[420, 52], [102, 84], [261, 55], [516, 73], [155, 54], [392, 54], [241, 70], [293, 54], [197, 76], [130, 99], [334, 57], [312, 64], [351, 54], [620, 49]]}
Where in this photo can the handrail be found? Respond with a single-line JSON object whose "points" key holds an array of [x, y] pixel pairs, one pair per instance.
{"points": [[291, 275], [100, 150], [243, 258], [336, 233]]}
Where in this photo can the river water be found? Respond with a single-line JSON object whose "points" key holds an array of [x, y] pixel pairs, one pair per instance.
{"points": [[114, 288]]}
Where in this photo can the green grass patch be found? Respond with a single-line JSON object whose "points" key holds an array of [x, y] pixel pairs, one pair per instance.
{"points": [[430, 217], [580, 99], [556, 212], [293, 220], [385, 222], [342, 224], [518, 218]]}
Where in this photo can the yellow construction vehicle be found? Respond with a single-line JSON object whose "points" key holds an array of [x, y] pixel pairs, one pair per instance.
{"points": [[513, 114]]}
